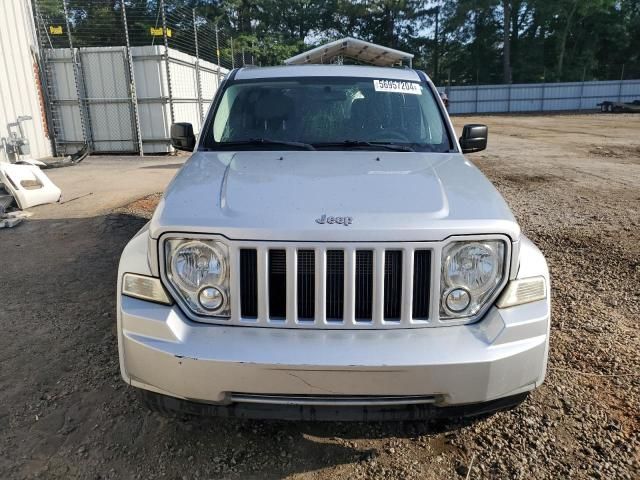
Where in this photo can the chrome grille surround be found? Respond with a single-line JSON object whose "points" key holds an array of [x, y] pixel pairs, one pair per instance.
{"points": [[349, 321]]}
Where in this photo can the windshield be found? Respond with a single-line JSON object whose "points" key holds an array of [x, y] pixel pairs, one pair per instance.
{"points": [[330, 113]]}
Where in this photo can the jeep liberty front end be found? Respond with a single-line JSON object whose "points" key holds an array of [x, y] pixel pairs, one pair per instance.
{"points": [[327, 252]]}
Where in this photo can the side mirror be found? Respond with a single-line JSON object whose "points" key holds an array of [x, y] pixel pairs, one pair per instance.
{"points": [[474, 138], [182, 137]]}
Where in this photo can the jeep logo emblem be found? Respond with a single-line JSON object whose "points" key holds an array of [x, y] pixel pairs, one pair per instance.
{"points": [[346, 221]]}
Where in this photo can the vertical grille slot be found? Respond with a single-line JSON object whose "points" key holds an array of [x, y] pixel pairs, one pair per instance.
{"points": [[392, 284], [249, 283], [364, 284], [306, 284], [421, 284], [335, 285], [277, 284]]}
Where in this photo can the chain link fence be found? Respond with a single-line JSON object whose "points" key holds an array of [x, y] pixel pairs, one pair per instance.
{"points": [[117, 73], [449, 77]]}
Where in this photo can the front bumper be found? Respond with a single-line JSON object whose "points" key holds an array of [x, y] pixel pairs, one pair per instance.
{"points": [[172, 406], [165, 352]]}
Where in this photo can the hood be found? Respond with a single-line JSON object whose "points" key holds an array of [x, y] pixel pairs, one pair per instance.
{"points": [[332, 195]]}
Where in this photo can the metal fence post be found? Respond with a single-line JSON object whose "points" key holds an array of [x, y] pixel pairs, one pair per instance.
{"points": [[621, 84], [544, 89], [218, 58], [233, 56], [584, 76], [477, 88], [166, 59], [198, 79], [133, 96], [77, 77]]}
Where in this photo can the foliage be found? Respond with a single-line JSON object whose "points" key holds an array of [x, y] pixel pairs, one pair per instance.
{"points": [[546, 40]]}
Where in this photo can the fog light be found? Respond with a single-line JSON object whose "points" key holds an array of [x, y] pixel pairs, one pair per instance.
{"points": [[523, 290], [144, 288], [210, 298], [458, 300]]}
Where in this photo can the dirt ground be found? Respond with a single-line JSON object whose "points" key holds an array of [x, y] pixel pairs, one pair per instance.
{"points": [[573, 181]]}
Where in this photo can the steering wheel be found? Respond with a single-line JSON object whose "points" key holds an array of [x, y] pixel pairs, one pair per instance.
{"points": [[392, 135]]}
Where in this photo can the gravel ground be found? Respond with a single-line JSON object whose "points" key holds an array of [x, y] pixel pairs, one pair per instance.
{"points": [[573, 182]]}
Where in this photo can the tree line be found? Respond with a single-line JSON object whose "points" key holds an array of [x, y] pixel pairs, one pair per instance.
{"points": [[458, 41]]}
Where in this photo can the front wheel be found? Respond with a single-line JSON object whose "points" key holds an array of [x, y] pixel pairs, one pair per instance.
{"points": [[161, 405]]}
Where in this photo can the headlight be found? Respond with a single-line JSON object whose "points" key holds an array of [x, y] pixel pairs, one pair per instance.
{"points": [[198, 270], [471, 273]]}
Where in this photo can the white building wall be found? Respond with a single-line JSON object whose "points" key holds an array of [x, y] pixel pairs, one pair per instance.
{"points": [[19, 86]]}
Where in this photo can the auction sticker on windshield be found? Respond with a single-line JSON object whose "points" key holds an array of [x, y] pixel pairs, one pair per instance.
{"points": [[396, 86]]}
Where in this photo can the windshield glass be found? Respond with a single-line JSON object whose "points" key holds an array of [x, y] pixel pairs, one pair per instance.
{"points": [[331, 113]]}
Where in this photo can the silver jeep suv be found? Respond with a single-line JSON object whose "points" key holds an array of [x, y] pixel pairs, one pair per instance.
{"points": [[327, 252]]}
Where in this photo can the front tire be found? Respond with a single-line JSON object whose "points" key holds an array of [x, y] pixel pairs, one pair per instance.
{"points": [[160, 404]]}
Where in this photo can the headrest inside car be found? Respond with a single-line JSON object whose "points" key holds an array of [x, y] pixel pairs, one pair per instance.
{"points": [[274, 106]]}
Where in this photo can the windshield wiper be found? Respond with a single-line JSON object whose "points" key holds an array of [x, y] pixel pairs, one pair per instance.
{"points": [[267, 141], [361, 143]]}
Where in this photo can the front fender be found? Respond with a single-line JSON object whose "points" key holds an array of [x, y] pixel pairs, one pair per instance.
{"points": [[134, 259], [532, 264]]}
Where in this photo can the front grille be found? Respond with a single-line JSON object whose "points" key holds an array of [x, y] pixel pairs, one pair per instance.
{"points": [[346, 286]]}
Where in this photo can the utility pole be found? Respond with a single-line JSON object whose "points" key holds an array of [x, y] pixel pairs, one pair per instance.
{"points": [[436, 51], [233, 55], [436, 43], [506, 42]]}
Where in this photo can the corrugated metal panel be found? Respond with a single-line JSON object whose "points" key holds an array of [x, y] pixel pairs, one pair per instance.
{"points": [[153, 94], [106, 82], [184, 88], [19, 87], [539, 97], [106, 85], [65, 95]]}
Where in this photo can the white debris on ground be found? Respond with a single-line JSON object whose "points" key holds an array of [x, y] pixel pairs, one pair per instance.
{"points": [[11, 219], [26, 186], [10, 222]]}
